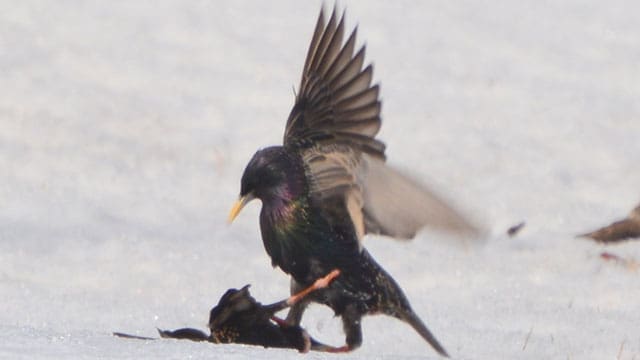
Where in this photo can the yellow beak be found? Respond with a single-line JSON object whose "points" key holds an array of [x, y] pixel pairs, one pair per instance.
{"points": [[237, 207]]}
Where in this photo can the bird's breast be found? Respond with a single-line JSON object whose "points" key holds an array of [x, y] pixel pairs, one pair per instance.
{"points": [[301, 240], [285, 235]]}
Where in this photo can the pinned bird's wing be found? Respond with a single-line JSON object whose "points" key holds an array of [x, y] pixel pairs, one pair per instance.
{"points": [[378, 198], [335, 102]]}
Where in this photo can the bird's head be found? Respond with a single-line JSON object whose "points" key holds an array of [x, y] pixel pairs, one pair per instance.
{"points": [[232, 304], [268, 176]]}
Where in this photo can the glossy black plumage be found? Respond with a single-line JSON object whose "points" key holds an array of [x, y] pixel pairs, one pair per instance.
{"points": [[329, 185], [238, 318]]}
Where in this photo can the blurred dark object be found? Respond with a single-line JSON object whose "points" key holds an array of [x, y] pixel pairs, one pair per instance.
{"points": [[515, 229], [626, 229]]}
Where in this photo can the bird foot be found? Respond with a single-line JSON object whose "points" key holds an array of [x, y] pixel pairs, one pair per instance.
{"points": [[332, 349], [318, 284], [341, 349]]}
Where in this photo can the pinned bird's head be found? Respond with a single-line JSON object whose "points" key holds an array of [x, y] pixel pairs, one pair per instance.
{"points": [[231, 305], [270, 175]]}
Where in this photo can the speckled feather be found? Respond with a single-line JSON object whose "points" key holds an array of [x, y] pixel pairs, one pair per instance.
{"points": [[329, 185]]}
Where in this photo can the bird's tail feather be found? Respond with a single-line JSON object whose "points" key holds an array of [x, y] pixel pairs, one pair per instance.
{"points": [[413, 320]]}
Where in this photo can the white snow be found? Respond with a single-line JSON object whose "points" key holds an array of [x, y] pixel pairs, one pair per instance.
{"points": [[125, 127]]}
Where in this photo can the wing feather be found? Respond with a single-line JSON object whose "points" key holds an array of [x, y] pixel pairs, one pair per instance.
{"points": [[363, 98], [324, 43], [344, 57], [380, 199], [317, 33], [333, 49], [350, 70], [398, 206], [336, 102], [359, 83], [364, 112], [333, 125]]}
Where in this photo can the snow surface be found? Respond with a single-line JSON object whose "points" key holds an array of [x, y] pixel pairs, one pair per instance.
{"points": [[125, 127]]}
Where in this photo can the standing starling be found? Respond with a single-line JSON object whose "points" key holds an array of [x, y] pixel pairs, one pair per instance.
{"points": [[328, 185]]}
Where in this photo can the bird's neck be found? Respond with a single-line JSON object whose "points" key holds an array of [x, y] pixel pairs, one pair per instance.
{"points": [[285, 204]]}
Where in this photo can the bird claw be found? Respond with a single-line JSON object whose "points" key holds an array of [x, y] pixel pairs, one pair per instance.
{"points": [[325, 281], [318, 284], [332, 349]]}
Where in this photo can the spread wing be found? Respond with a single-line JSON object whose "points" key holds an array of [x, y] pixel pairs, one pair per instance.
{"points": [[333, 124], [335, 102]]}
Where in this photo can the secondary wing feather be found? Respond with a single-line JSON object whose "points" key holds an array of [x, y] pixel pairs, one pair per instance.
{"points": [[380, 199], [398, 206]]}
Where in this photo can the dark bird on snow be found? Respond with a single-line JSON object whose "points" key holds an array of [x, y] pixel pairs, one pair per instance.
{"points": [[625, 229], [240, 319], [328, 185]]}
